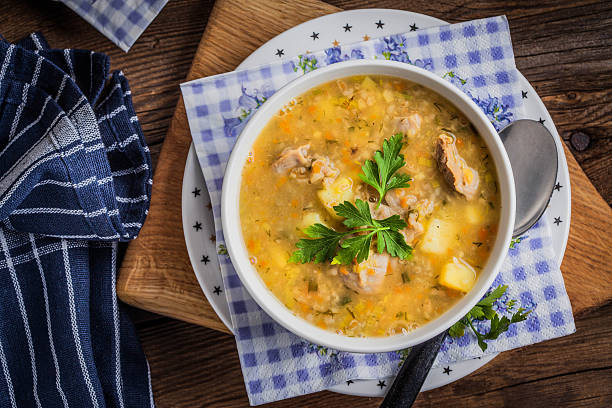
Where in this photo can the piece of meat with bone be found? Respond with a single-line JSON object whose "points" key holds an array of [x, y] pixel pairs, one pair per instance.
{"points": [[414, 228], [366, 277], [454, 168], [303, 168], [400, 200], [417, 211], [410, 124], [381, 212], [322, 169], [291, 158], [345, 89], [416, 214]]}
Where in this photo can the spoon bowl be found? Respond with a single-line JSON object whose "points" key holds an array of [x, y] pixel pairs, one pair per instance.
{"points": [[532, 152]]}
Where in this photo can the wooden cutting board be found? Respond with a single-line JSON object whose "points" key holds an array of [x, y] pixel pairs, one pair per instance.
{"points": [[156, 273]]}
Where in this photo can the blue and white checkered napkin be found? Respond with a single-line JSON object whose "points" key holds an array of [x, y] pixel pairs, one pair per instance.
{"points": [[477, 57], [121, 21]]}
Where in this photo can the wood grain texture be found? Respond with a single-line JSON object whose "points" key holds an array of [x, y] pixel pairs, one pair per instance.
{"points": [[563, 48], [156, 274], [155, 65]]}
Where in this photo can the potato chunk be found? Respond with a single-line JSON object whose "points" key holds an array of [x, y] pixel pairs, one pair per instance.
{"points": [[339, 191], [473, 214], [310, 218], [439, 236], [368, 83], [457, 275], [278, 256]]}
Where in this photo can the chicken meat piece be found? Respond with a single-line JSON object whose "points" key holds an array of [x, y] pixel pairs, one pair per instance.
{"points": [[425, 207], [299, 174], [454, 168], [292, 158], [367, 277], [383, 211], [409, 125], [345, 89], [322, 169], [400, 200], [414, 228]]}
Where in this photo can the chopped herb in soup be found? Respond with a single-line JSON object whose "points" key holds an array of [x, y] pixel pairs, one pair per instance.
{"points": [[369, 205]]}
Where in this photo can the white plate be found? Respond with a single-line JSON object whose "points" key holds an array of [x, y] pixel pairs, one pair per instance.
{"points": [[348, 27]]}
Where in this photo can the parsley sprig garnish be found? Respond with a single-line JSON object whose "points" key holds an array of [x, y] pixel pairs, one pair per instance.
{"points": [[342, 247], [484, 311], [380, 172]]}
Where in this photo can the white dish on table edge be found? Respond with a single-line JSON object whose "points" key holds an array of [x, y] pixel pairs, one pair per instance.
{"points": [[332, 27]]}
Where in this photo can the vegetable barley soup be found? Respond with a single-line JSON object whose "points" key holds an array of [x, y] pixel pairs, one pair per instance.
{"points": [[369, 205]]}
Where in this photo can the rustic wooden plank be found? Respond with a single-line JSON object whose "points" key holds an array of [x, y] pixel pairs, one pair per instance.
{"points": [[155, 65], [589, 244], [195, 366]]}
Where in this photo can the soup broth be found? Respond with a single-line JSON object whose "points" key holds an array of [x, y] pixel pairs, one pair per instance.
{"points": [[309, 158]]}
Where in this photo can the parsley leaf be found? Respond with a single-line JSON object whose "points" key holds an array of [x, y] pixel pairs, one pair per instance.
{"points": [[380, 172], [484, 311], [394, 243], [355, 243], [357, 215], [357, 248], [322, 248]]}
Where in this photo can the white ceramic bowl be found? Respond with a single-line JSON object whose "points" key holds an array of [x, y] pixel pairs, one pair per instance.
{"points": [[231, 215]]}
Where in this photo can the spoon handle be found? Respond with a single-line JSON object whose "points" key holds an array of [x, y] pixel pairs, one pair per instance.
{"points": [[412, 374]]}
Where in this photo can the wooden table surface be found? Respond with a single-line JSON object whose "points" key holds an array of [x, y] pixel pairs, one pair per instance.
{"points": [[564, 48]]}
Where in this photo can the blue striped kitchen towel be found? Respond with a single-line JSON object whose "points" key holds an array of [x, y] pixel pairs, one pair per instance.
{"points": [[121, 21], [75, 179], [477, 57]]}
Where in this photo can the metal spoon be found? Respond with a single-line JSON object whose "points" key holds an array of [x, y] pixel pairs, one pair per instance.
{"points": [[532, 152]]}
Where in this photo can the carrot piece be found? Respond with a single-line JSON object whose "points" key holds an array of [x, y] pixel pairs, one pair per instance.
{"points": [[295, 203], [281, 180], [284, 126], [483, 233], [312, 109]]}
